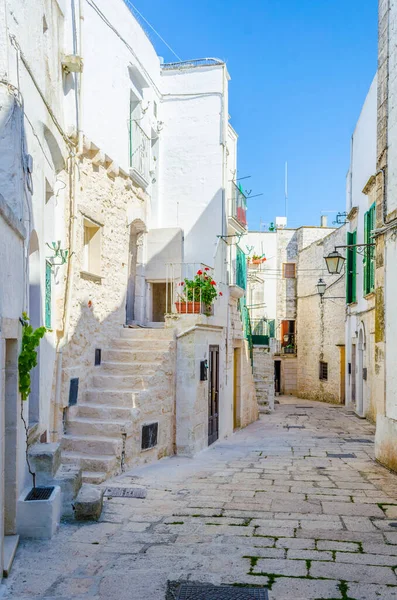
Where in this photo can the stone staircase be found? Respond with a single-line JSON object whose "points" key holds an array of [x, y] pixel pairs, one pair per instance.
{"points": [[264, 379], [103, 431]]}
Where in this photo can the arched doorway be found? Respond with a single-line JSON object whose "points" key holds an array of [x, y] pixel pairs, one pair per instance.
{"points": [[35, 321], [135, 272], [360, 372]]}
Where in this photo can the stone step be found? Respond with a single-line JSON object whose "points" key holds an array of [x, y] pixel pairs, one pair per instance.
{"points": [[132, 383], [88, 504], [147, 333], [112, 398], [94, 477], [83, 426], [91, 445], [143, 355], [93, 463], [102, 412], [128, 368], [136, 345]]}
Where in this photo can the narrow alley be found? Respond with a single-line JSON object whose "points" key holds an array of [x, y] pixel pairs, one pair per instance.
{"points": [[295, 502]]}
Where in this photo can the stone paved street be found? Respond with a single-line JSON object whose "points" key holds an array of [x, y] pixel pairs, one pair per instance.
{"points": [[273, 505]]}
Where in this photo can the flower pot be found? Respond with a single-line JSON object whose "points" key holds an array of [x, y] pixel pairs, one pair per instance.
{"points": [[39, 518], [189, 308]]}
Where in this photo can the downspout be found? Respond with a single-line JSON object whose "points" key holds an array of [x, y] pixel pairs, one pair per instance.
{"points": [[73, 192]]}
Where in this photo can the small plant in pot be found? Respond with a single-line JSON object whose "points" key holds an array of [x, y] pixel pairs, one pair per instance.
{"points": [[257, 260], [198, 293], [27, 360]]}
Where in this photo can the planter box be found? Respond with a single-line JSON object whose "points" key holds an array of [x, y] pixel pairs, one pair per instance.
{"points": [[189, 308], [39, 518]]}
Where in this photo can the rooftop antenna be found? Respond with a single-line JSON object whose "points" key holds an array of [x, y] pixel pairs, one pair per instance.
{"points": [[286, 189]]}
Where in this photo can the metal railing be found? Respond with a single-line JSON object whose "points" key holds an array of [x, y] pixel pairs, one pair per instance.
{"points": [[182, 295], [260, 332], [139, 151], [238, 205]]}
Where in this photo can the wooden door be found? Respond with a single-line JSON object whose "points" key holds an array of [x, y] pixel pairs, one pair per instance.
{"points": [[213, 395]]}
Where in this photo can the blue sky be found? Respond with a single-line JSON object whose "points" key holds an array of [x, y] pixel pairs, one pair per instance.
{"points": [[300, 71]]}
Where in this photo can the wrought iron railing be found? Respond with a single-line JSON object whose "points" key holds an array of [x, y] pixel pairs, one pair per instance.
{"points": [[182, 295], [238, 205], [139, 151], [260, 332]]}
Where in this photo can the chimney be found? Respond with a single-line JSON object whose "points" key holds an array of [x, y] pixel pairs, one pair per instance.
{"points": [[323, 220]]}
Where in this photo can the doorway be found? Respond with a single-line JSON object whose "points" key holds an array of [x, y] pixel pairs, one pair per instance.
{"points": [[360, 371], [277, 376], [35, 321], [135, 271], [342, 374], [213, 395], [236, 388], [11, 420], [160, 303], [353, 375]]}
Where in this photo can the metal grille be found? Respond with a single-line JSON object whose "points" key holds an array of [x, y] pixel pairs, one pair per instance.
{"points": [[39, 493], [341, 455], [149, 435], [119, 492], [190, 591], [323, 374]]}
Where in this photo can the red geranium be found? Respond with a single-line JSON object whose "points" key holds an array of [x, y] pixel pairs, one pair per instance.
{"points": [[206, 269], [213, 282], [220, 293], [199, 272]]}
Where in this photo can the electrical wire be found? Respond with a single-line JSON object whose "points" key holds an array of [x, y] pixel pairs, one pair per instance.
{"points": [[130, 5]]}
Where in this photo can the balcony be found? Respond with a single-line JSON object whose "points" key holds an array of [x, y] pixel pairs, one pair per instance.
{"points": [[139, 145], [238, 209]]}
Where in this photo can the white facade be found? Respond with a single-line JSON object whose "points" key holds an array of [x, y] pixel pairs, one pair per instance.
{"points": [[360, 319], [131, 165]]}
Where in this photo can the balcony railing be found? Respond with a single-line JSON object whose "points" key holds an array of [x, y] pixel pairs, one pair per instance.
{"points": [[139, 154], [182, 298], [238, 208]]}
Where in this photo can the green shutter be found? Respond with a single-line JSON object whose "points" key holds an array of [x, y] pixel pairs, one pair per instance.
{"points": [[372, 249], [351, 268], [369, 252], [366, 259]]}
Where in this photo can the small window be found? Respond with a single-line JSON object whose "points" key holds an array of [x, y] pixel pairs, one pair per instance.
{"points": [[92, 248], [149, 436], [289, 270], [323, 371]]}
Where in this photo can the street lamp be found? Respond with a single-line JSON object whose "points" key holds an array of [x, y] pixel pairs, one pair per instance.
{"points": [[321, 285], [334, 262]]}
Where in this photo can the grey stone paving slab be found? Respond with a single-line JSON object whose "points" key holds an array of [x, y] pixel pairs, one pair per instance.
{"points": [[200, 515]]}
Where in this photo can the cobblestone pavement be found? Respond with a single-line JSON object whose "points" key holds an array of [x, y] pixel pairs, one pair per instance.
{"points": [[272, 506]]}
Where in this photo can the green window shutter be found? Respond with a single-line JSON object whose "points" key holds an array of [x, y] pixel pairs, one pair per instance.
{"points": [[351, 268], [366, 259], [372, 250], [354, 267]]}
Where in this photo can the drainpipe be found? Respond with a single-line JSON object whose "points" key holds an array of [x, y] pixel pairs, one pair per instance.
{"points": [[73, 192]]}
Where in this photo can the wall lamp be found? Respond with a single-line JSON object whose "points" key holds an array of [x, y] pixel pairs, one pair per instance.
{"points": [[60, 255], [321, 287], [335, 260]]}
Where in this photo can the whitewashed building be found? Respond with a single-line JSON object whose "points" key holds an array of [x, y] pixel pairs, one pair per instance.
{"points": [[360, 267], [130, 166]]}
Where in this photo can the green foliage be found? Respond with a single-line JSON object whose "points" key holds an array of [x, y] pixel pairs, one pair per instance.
{"points": [[200, 289], [28, 357]]}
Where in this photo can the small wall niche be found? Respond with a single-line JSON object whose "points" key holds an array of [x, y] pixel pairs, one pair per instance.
{"points": [[149, 435]]}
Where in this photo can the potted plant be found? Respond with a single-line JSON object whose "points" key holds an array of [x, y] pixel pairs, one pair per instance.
{"points": [[257, 260], [38, 508], [197, 292]]}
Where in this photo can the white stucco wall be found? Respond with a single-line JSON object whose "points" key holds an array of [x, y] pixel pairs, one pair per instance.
{"points": [[192, 179], [263, 293]]}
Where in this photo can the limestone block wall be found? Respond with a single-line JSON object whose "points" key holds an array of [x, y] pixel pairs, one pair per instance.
{"points": [[98, 307], [320, 325], [264, 377], [289, 369]]}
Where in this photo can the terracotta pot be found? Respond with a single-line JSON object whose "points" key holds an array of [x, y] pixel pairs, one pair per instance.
{"points": [[189, 308]]}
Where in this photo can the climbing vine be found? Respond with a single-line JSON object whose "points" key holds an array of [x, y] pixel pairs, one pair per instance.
{"points": [[28, 357]]}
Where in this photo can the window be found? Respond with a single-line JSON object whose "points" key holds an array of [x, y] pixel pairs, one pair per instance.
{"points": [[289, 270], [351, 268], [323, 375], [92, 247], [369, 252]]}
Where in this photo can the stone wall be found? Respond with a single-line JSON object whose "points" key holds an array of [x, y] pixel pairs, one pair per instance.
{"points": [[320, 326], [98, 306], [264, 378]]}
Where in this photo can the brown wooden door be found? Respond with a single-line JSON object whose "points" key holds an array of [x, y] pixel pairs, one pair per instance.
{"points": [[213, 395]]}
